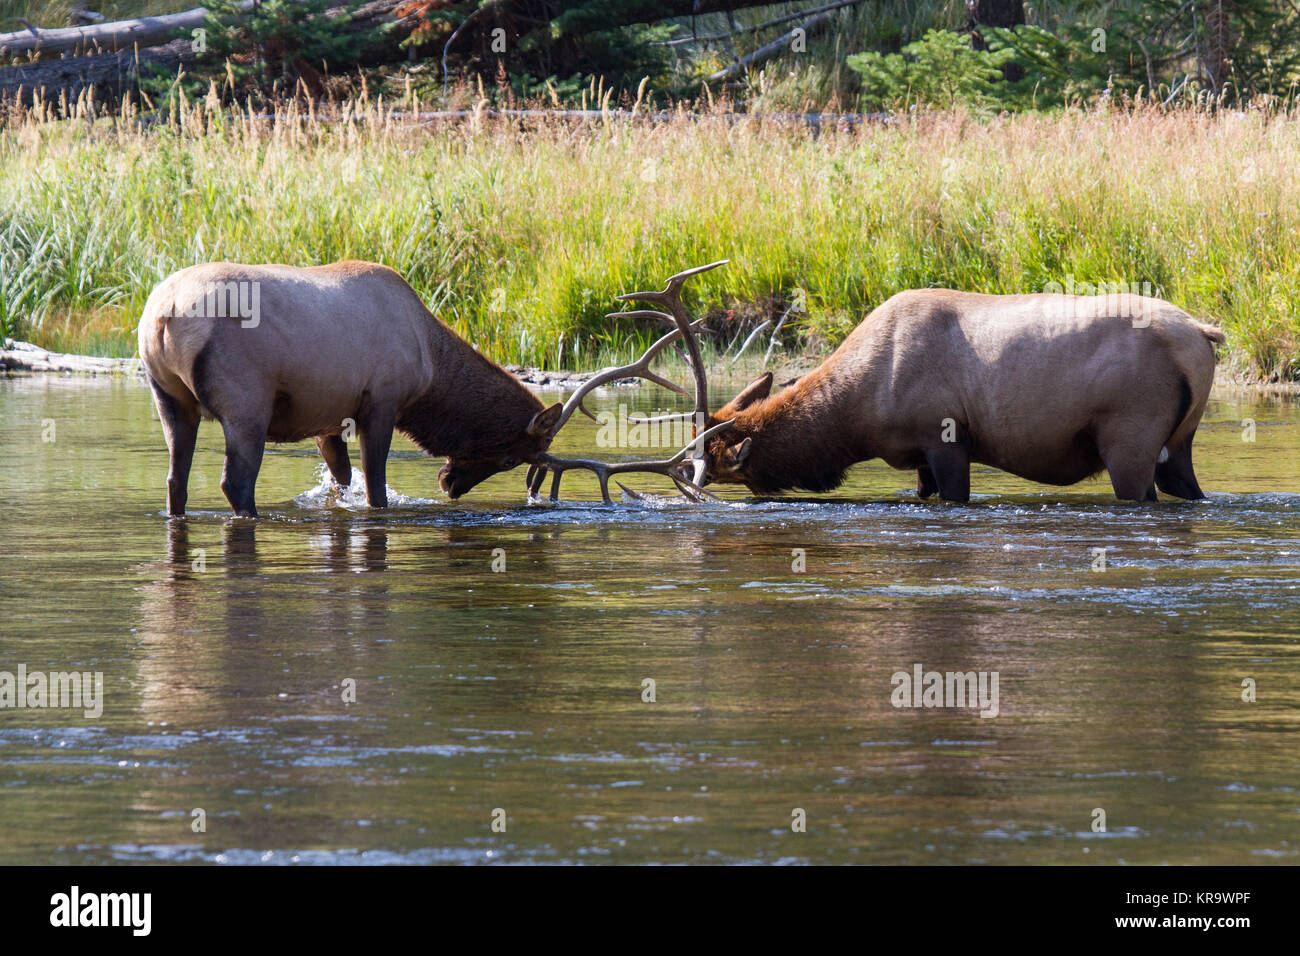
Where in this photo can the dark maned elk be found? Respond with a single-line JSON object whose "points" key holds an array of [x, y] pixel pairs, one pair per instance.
{"points": [[1051, 388], [279, 353]]}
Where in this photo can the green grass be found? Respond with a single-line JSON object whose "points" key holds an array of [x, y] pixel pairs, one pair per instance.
{"points": [[50, 14], [816, 77], [522, 240]]}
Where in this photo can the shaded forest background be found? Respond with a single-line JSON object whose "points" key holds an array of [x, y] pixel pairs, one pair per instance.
{"points": [[840, 55]]}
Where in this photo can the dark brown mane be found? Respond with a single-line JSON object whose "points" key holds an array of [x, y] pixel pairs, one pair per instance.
{"points": [[474, 407], [793, 446]]}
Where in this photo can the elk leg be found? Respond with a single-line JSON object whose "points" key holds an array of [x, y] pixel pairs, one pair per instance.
{"points": [[1176, 477], [949, 465], [925, 483], [244, 447], [335, 452], [1130, 484], [376, 434], [1132, 468], [180, 423]]}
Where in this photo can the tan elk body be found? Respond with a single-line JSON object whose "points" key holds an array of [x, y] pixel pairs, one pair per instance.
{"points": [[280, 353], [1051, 388]]}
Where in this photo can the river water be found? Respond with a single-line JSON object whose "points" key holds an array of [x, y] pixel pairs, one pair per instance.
{"points": [[497, 658]]}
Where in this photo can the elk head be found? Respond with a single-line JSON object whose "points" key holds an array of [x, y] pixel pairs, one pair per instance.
{"points": [[726, 457], [463, 472], [688, 467]]}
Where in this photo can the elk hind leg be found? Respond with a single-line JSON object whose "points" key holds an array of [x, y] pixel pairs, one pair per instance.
{"points": [[180, 423], [1174, 476], [245, 443], [1130, 459]]}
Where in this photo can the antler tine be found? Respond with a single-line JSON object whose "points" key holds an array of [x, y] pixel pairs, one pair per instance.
{"points": [[671, 299], [689, 491], [604, 470], [675, 280], [639, 368], [642, 314], [533, 481], [697, 325]]}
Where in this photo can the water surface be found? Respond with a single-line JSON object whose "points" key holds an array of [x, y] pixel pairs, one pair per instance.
{"points": [[226, 646]]}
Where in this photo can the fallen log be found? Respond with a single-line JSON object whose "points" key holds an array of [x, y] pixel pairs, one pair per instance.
{"points": [[145, 32], [104, 37], [770, 50], [25, 357], [112, 72], [757, 28]]}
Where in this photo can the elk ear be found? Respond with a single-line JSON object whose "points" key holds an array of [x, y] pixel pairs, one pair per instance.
{"points": [[543, 422], [736, 454], [755, 391]]}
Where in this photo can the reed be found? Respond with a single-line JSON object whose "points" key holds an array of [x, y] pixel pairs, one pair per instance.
{"points": [[521, 237]]}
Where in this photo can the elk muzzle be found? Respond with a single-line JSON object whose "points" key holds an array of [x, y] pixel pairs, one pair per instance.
{"points": [[458, 477]]}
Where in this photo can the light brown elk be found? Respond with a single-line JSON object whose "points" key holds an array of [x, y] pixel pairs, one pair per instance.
{"points": [[1051, 388], [279, 353]]}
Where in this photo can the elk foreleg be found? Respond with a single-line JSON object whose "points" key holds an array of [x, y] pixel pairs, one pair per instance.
{"points": [[335, 452], [949, 466], [375, 430]]}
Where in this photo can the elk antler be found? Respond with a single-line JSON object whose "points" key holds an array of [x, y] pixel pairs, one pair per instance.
{"points": [[640, 368], [670, 299], [603, 470]]}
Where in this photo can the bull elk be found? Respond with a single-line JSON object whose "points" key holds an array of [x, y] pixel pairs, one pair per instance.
{"points": [[1051, 388], [279, 353]]}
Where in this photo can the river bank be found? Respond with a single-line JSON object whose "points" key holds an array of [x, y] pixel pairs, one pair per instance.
{"points": [[18, 357], [522, 239]]}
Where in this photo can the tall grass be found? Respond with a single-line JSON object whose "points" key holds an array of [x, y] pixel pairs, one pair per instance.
{"points": [[521, 239]]}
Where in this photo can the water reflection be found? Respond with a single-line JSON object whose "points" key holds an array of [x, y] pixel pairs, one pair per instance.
{"points": [[498, 655]]}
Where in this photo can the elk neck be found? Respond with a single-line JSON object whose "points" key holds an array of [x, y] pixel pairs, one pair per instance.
{"points": [[471, 407], [804, 437]]}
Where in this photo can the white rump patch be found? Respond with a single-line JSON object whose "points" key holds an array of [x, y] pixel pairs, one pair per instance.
{"points": [[1164, 455]]}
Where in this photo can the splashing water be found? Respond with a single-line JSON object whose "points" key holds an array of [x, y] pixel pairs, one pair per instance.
{"points": [[327, 493]]}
